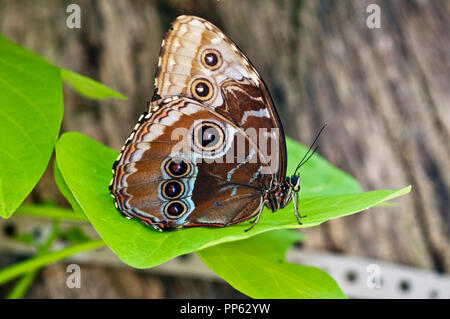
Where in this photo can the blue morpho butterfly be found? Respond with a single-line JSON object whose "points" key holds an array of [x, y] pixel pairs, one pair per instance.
{"points": [[206, 86]]}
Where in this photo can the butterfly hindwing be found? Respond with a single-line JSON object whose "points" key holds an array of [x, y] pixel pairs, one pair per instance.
{"points": [[166, 177]]}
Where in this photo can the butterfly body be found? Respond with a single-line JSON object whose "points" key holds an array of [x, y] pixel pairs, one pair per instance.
{"points": [[210, 151]]}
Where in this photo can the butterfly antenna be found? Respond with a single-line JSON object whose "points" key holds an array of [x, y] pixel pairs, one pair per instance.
{"points": [[306, 157]]}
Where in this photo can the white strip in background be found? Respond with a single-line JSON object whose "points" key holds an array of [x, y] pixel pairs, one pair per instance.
{"points": [[369, 278]]}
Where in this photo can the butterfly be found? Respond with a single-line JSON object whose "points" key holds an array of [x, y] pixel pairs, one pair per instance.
{"points": [[210, 150]]}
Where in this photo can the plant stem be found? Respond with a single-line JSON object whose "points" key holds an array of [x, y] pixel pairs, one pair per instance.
{"points": [[49, 211], [21, 287], [36, 262]]}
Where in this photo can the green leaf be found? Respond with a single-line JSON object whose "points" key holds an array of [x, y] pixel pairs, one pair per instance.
{"points": [[257, 268], [74, 234], [88, 87], [25, 238], [31, 109], [19, 52], [86, 167]]}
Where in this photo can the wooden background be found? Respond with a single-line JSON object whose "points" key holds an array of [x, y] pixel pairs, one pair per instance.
{"points": [[385, 94]]}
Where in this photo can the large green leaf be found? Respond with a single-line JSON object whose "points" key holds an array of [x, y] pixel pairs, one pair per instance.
{"points": [[31, 109], [245, 263], [86, 168]]}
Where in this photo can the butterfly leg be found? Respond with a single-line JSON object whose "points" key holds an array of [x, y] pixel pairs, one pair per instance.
{"points": [[297, 214], [257, 217]]}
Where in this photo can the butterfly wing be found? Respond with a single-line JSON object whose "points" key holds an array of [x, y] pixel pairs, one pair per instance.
{"points": [[199, 61], [169, 176]]}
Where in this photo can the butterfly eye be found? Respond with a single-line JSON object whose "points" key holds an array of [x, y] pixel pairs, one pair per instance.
{"points": [[202, 89], [211, 59], [175, 209], [208, 136], [172, 189], [177, 167]]}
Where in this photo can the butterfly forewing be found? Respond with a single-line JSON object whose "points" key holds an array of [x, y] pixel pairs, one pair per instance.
{"points": [[227, 81]]}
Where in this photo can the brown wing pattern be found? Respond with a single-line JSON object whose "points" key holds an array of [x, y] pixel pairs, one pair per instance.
{"points": [[215, 195]]}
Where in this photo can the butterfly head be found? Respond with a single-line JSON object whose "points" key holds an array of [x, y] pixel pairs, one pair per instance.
{"points": [[294, 183], [289, 189]]}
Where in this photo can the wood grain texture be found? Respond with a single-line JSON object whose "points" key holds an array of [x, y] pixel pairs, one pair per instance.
{"points": [[385, 94]]}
